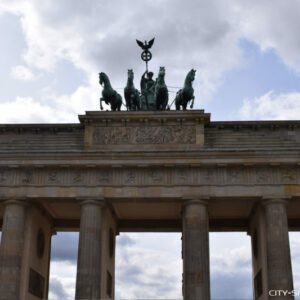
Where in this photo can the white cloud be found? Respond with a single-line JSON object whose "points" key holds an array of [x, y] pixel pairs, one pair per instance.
{"points": [[295, 253], [100, 36], [272, 106], [148, 266], [89, 36], [22, 73], [272, 25], [26, 109], [147, 263], [57, 290], [54, 108], [233, 261], [62, 280]]}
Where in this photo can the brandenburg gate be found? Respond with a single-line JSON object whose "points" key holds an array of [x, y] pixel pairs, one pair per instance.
{"points": [[146, 171]]}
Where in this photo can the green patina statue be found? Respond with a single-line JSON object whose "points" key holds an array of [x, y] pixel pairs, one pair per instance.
{"points": [[131, 94], [186, 94], [148, 91], [154, 94], [109, 95], [161, 90]]}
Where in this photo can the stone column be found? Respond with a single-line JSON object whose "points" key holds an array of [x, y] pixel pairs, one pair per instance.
{"points": [[279, 266], [196, 277], [88, 282], [11, 249]]}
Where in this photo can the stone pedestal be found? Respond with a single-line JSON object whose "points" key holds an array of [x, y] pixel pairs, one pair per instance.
{"points": [[196, 277], [11, 250], [167, 130], [96, 252], [272, 271]]}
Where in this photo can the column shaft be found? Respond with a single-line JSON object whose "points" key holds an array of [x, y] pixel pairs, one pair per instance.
{"points": [[278, 248], [11, 250], [88, 283], [196, 277]]}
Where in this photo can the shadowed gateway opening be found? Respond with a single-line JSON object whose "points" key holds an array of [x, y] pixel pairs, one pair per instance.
{"points": [[150, 264]]}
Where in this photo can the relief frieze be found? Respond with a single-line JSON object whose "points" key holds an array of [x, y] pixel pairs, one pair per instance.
{"points": [[3, 176], [144, 135], [151, 176], [103, 177]]}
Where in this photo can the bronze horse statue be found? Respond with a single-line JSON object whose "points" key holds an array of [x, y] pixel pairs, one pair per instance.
{"points": [[161, 91], [131, 94], [109, 95], [186, 94]]}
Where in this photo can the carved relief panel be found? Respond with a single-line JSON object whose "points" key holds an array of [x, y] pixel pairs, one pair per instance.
{"points": [[151, 176]]}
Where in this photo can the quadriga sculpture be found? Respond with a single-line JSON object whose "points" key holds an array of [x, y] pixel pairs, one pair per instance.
{"points": [[109, 95], [131, 94], [186, 94]]}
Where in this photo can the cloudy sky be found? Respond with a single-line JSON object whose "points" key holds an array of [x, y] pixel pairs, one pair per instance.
{"points": [[247, 56]]}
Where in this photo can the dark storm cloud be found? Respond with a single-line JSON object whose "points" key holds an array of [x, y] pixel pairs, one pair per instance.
{"points": [[65, 247]]}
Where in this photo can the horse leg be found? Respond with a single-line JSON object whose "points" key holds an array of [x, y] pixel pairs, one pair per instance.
{"points": [[165, 105], [132, 104], [137, 100], [119, 104], [101, 107], [192, 104], [177, 104], [127, 101]]}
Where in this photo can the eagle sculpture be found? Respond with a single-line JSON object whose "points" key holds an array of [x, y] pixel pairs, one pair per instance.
{"points": [[146, 45]]}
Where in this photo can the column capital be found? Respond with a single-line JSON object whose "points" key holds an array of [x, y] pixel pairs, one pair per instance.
{"points": [[18, 201], [195, 200], [91, 200], [266, 200]]}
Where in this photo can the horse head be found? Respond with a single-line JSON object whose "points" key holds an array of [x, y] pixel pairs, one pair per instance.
{"points": [[161, 75], [130, 74], [103, 78], [191, 75], [162, 72]]}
